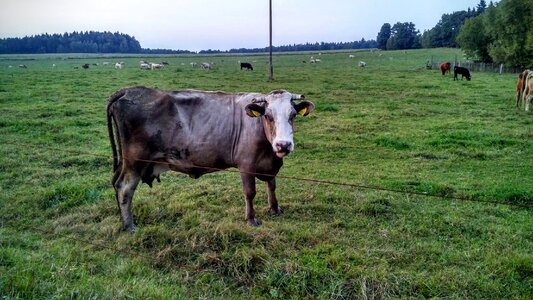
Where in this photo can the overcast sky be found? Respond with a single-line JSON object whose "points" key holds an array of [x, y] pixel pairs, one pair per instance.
{"points": [[217, 24]]}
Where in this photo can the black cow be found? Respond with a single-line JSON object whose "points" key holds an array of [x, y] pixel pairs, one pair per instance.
{"points": [[85, 66], [196, 132], [248, 66], [463, 71]]}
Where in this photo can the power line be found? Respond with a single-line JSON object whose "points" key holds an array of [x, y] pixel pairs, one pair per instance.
{"points": [[311, 180]]}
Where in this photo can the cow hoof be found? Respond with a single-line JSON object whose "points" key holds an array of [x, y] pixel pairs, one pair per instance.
{"points": [[276, 212], [254, 222], [129, 229]]}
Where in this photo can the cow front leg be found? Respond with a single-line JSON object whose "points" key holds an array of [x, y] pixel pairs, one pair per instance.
{"points": [[272, 200], [125, 186], [248, 188]]}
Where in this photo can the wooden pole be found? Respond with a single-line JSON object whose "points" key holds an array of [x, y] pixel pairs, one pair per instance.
{"points": [[271, 75]]}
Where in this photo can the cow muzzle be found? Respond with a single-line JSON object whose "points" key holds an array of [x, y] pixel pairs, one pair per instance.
{"points": [[282, 148]]}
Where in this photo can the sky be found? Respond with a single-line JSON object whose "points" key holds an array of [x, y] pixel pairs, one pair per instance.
{"points": [[216, 24]]}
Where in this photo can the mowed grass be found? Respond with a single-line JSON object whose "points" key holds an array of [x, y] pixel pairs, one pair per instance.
{"points": [[393, 125]]}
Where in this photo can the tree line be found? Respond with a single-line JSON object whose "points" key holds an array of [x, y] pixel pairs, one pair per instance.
{"points": [[107, 42], [77, 42], [322, 46], [405, 35], [499, 32]]}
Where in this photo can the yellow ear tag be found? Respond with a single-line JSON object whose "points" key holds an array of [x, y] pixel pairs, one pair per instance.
{"points": [[303, 111], [256, 113]]}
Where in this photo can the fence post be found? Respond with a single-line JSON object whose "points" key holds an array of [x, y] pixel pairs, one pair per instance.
{"points": [[501, 69]]}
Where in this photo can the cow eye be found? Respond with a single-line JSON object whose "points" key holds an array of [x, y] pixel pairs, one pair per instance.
{"points": [[269, 118]]}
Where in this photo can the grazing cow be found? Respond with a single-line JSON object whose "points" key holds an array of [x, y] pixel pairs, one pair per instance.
{"points": [[193, 64], [520, 86], [313, 60], [205, 66], [463, 71], [445, 67], [362, 64], [23, 66], [197, 132], [247, 66], [119, 65], [351, 56], [528, 90], [145, 66], [85, 66], [164, 63], [156, 66]]}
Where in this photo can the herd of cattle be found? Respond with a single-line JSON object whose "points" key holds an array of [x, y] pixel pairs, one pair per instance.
{"points": [[445, 67], [524, 86]]}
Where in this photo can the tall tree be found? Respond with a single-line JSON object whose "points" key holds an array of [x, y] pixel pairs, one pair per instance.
{"points": [[475, 40], [481, 7], [513, 32], [503, 33], [383, 36], [403, 36]]}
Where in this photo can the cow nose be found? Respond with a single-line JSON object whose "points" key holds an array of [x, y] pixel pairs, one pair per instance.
{"points": [[283, 146]]}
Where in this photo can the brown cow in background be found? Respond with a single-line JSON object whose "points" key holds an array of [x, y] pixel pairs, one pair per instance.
{"points": [[520, 87], [445, 67]]}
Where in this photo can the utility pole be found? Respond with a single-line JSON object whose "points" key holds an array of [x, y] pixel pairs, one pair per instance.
{"points": [[271, 75]]}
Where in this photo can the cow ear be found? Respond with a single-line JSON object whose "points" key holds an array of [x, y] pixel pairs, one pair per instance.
{"points": [[304, 108], [254, 110]]}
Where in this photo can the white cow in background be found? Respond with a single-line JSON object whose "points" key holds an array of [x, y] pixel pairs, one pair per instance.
{"points": [[156, 66]]}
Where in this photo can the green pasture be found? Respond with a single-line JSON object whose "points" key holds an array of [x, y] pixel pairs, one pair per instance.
{"points": [[393, 125]]}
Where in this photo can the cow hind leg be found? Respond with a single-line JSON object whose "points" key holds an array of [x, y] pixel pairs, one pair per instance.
{"points": [[272, 200], [125, 186]]}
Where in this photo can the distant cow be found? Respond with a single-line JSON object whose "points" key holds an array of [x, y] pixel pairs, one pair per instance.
{"points": [[144, 66], [247, 66], [362, 64], [23, 66], [445, 67], [520, 87], [205, 66], [463, 71], [197, 132], [193, 64], [156, 66], [85, 66]]}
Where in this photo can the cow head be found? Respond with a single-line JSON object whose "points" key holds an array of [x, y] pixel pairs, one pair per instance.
{"points": [[278, 111]]}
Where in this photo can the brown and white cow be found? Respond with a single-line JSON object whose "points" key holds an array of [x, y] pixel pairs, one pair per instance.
{"points": [[197, 132], [520, 86], [528, 90]]}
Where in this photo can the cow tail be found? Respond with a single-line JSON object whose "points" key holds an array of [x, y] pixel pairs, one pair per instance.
{"points": [[110, 129]]}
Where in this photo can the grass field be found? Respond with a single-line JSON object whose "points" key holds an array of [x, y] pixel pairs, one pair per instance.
{"points": [[392, 125]]}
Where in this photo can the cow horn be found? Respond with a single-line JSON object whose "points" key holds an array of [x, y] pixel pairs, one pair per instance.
{"points": [[297, 97]]}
